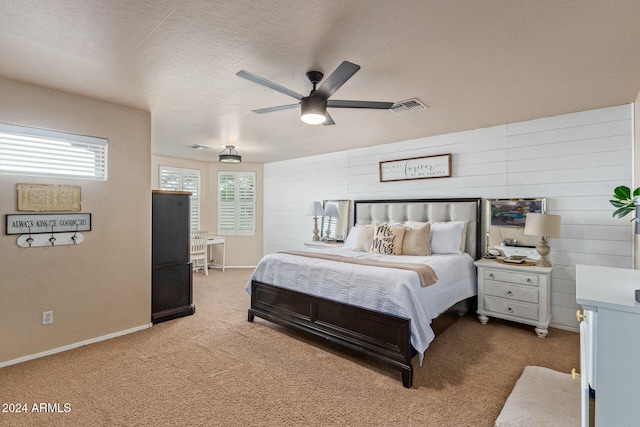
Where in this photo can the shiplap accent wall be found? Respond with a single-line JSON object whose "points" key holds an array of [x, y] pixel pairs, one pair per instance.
{"points": [[574, 161]]}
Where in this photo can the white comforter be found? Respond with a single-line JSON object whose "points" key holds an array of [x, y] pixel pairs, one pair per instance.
{"points": [[393, 291]]}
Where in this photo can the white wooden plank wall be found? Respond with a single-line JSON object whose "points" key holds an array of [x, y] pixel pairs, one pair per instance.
{"points": [[574, 161]]}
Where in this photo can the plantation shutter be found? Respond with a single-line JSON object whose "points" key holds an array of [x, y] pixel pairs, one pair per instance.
{"points": [[191, 183], [236, 203], [179, 179]]}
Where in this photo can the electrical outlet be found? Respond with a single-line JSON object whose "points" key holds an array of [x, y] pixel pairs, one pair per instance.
{"points": [[47, 317]]}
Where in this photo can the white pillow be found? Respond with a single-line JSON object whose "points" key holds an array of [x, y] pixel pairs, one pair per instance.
{"points": [[448, 237], [352, 238], [364, 238]]}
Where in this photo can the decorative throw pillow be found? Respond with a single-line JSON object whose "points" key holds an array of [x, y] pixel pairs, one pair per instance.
{"points": [[416, 240], [387, 239], [447, 237], [364, 238]]}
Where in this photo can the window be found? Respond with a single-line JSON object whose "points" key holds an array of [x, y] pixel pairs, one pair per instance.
{"points": [[179, 179], [237, 203], [31, 151]]}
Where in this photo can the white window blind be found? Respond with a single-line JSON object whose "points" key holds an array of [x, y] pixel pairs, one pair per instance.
{"points": [[40, 152], [180, 179], [236, 203]]}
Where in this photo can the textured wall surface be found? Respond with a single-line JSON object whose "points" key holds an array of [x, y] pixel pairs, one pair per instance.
{"points": [[573, 160]]}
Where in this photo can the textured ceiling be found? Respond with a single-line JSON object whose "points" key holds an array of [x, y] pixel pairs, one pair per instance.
{"points": [[475, 64]]}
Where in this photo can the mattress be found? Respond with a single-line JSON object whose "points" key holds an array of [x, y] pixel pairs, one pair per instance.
{"points": [[387, 290]]}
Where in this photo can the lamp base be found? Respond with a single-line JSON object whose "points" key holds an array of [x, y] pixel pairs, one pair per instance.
{"points": [[543, 250], [542, 262], [316, 232]]}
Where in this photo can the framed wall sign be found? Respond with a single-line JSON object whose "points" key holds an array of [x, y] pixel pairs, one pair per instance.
{"points": [[48, 198], [438, 166], [47, 223]]}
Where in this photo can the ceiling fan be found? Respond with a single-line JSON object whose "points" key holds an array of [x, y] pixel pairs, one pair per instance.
{"points": [[314, 107]]}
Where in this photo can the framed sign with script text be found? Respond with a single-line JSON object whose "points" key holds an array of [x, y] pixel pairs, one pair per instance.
{"points": [[438, 166]]}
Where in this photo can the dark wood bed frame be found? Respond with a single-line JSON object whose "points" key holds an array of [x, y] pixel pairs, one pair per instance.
{"points": [[379, 336]]}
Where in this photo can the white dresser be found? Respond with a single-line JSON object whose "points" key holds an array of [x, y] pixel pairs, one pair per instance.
{"points": [[609, 344], [519, 293]]}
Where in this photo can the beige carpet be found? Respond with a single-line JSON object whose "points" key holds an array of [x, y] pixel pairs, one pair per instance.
{"points": [[215, 368]]}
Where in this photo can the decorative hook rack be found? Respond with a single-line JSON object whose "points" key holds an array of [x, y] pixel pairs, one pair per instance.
{"points": [[59, 239], [38, 230]]}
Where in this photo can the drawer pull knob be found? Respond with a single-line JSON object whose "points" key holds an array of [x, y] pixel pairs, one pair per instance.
{"points": [[491, 276], [510, 310], [579, 316], [574, 374], [528, 280], [510, 293]]}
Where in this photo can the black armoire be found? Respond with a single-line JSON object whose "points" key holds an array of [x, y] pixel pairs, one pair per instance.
{"points": [[172, 273]]}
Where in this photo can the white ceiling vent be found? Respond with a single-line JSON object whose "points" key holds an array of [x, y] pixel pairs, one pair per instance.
{"points": [[198, 147], [408, 106]]}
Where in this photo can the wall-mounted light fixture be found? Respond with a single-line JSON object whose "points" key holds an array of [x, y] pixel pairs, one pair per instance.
{"points": [[230, 155]]}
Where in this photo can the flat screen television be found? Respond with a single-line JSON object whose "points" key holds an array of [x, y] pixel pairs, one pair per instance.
{"points": [[513, 212]]}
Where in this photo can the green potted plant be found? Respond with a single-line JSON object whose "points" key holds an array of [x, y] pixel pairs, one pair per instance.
{"points": [[623, 200]]}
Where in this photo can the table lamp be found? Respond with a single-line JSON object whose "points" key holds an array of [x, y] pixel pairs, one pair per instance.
{"points": [[315, 210], [543, 225]]}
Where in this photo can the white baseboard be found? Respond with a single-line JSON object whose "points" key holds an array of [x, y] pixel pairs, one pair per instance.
{"points": [[239, 266], [566, 328], [74, 345]]}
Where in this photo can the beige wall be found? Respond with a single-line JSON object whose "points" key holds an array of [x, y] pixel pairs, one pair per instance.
{"points": [[241, 251], [101, 286]]}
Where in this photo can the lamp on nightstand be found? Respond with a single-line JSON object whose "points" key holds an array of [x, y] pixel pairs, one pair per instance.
{"points": [[315, 210], [543, 225]]}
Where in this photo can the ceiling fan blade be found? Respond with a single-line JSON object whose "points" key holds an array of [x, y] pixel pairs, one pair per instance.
{"points": [[329, 120], [278, 108], [264, 82], [359, 104], [336, 79]]}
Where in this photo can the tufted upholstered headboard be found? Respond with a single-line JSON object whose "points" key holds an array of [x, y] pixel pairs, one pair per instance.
{"points": [[434, 210]]}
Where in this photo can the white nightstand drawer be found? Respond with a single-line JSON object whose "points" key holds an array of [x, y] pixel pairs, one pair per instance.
{"points": [[511, 277], [520, 293], [511, 308]]}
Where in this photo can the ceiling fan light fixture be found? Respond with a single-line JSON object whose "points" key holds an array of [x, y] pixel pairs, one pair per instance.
{"points": [[314, 110], [230, 155]]}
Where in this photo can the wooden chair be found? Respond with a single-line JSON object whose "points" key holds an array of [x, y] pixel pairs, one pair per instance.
{"points": [[199, 250]]}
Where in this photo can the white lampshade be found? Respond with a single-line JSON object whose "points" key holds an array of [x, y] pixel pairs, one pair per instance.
{"points": [[331, 211], [315, 209], [543, 225]]}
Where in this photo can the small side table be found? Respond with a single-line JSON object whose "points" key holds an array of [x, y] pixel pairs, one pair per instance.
{"points": [[323, 245], [520, 293], [211, 241]]}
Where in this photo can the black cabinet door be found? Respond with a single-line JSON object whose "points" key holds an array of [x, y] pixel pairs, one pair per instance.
{"points": [[172, 273], [171, 287], [170, 228]]}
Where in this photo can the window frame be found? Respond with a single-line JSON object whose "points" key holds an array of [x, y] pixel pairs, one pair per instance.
{"points": [[41, 152]]}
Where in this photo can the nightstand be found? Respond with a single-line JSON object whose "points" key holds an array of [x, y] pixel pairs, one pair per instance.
{"points": [[520, 293], [323, 245]]}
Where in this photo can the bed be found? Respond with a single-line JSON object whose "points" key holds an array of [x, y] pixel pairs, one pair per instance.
{"points": [[380, 305]]}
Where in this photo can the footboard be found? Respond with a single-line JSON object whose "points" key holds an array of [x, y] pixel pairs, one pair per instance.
{"points": [[380, 336]]}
